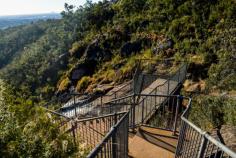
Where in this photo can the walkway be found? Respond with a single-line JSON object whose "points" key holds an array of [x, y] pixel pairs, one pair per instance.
{"points": [[117, 92], [152, 143]]}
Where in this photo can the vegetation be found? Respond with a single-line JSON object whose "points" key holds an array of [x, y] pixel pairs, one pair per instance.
{"points": [[29, 131], [86, 38], [211, 112], [99, 43]]}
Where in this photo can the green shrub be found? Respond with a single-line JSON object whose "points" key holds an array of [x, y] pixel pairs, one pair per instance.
{"points": [[64, 84], [210, 112], [83, 84]]}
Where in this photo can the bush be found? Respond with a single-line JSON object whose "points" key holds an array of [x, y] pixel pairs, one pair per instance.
{"points": [[83, 84], [64, 84], [210, 112]]}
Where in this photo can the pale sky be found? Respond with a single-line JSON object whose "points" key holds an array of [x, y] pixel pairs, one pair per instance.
{"points": [[16, 7]]}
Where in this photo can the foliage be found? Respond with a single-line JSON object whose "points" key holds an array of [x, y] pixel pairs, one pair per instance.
{"points": [[29, 131], [104, 40], [212, 112], [55, 48], [64, 84], [83, 83]]}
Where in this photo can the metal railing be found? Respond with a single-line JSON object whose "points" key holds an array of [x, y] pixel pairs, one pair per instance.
{"points": [[90, 132], [168, 87], [79, 109], [149, 70], [196, 143], [143, 76], [99, 107], [107, 134], [115, 143], [142, 112]]}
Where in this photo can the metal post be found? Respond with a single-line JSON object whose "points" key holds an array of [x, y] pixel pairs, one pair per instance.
{"points": [[142, 111], [115, 118], [74, 99], [176, 114], [168, 86], [114, 144], [178, 75], [75, 106], [73, 126], [202, 147], [133, 113], [156, 97]]}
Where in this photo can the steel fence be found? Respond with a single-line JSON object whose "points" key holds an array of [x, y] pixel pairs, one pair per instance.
{"points": [[103, 106], [86, 106], [91, 131], [79, 109], [115, 143], [196, 143]]}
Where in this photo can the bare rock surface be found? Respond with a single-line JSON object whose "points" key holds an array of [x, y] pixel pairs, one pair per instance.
{"points": [[229, 135]]}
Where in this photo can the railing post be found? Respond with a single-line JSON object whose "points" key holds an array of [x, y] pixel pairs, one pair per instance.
{"points": [[114, 144], [155, 96], [142, 111], [179, 75], [73, 126], [176, 114], [168, 86], [74, 99], [133, 113], [115, 118], [202, 147], [75, 107]]}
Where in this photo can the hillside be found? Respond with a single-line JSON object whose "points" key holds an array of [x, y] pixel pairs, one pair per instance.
{"points": [[99, 43], [11, 21], [50, 53]]}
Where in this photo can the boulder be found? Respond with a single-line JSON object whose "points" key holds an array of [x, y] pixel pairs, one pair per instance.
{"points": [[228, 134]]}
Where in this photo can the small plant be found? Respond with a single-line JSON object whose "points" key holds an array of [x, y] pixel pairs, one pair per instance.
{"points": [[64, 84], [83, 84]]}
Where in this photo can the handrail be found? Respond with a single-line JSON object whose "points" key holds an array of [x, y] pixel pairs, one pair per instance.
{"points": [[113, 100], [110, 135], [204, 134], [98, 95], [93, 118], [58, 114], [154, 89]]}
